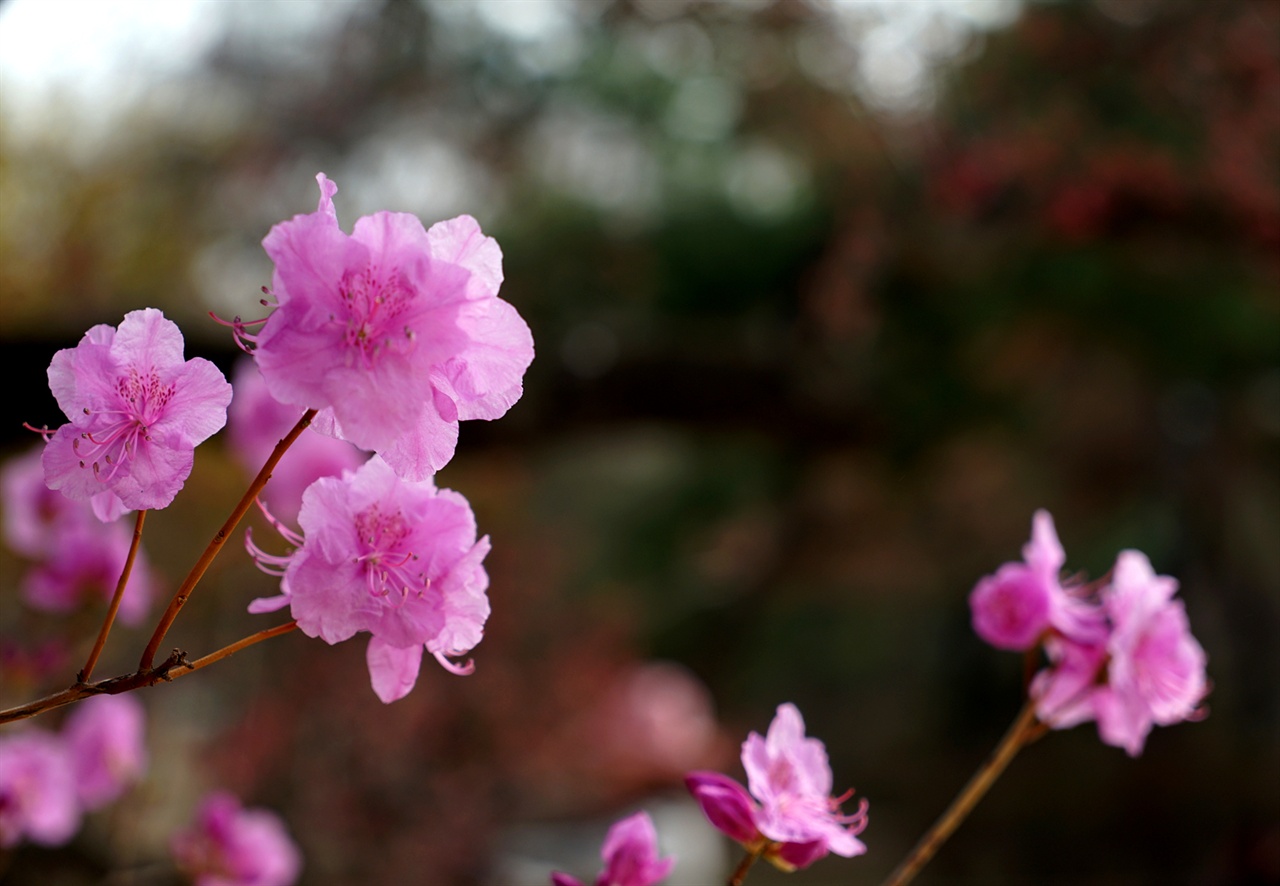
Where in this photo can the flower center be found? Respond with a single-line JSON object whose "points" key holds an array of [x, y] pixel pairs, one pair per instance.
{"points": [[141, 402], [374, 306], [391, 572]]}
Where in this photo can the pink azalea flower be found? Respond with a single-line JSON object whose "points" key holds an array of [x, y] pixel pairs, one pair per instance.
{"points": [[393, 557], [137, 409], [78, 557], [1015, 607], [37, 790], [630, 854], [1156, 671], [255, 423], [232, 846], [395, 332], [106, 742], [789, 815]]}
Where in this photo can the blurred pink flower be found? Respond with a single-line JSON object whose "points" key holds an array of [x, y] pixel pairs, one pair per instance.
{"points": [[232, 846], [630, 854], [257, 421], [393, 557], [106, 741], [137, 409], [37, 790], [395, 332], [793, 818], [1015, 607], [78, 557], [1156, 669]]}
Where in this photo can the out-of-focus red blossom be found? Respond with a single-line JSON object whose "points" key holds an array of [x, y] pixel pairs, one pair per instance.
{"points": [[630, 854], [229, 845], [1073, 172]]}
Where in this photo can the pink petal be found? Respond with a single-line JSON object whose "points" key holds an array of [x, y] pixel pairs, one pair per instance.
{"points": [[393, 670]]}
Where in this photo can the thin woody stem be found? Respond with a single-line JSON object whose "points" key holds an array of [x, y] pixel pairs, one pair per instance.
{"points": [[215, 546], [173, 667], [1025, 729], [113, 686], [87, 671], [185, 668], [740, 872]]}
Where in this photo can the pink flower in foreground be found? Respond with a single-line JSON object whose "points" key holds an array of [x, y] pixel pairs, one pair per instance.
{"points": [[393, 557], [630, 854], [137, 409], [106, 742], [37, 790], [1156, 669], [1015, 607], [789, 813], [78, 557], [232, 846], [395, 332], [257, 421]]}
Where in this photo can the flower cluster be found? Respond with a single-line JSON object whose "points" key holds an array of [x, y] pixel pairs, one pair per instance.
{"points": [[49, 780], [1120, 652], [396, 558], [229, 845], [77, 558], [630, 854], [789, 816]]}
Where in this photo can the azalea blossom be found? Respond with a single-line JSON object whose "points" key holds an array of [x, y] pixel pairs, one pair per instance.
{"points": [[257, 421], [1156, 669], [1119, 651], [228, 845], [630, 854], [1015, 607], [395, 332], [106, 742], [136, 412], [78, 558], [789, 816], [396, 558], [38, 799]]}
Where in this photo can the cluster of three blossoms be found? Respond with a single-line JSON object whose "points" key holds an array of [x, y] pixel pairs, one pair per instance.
{"points": [[386, 337]]}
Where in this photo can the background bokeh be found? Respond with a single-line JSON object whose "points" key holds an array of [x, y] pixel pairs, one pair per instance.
{"points": [[828, 298]]}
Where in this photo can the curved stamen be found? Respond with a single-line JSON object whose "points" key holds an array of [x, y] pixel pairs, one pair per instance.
{"points": [[288, 534], [462, 670], [271, 564]]}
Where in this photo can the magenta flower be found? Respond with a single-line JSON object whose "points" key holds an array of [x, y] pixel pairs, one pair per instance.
{"points": [[630, 854], [1156, 669], [255, 423], [37, 790], [395, 332], [232, 846], [137, 409], [1015, 607], [78, 558], [106, 743], [393, 557], [789, 816]]}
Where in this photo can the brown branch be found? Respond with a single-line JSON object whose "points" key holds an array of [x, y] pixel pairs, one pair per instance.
{"points": [[87, 671], [215, 546], [114, 686], [1023, 731], [173, 667]]}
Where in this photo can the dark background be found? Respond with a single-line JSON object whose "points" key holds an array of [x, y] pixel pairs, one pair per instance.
{"points": [[808, 360]]}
